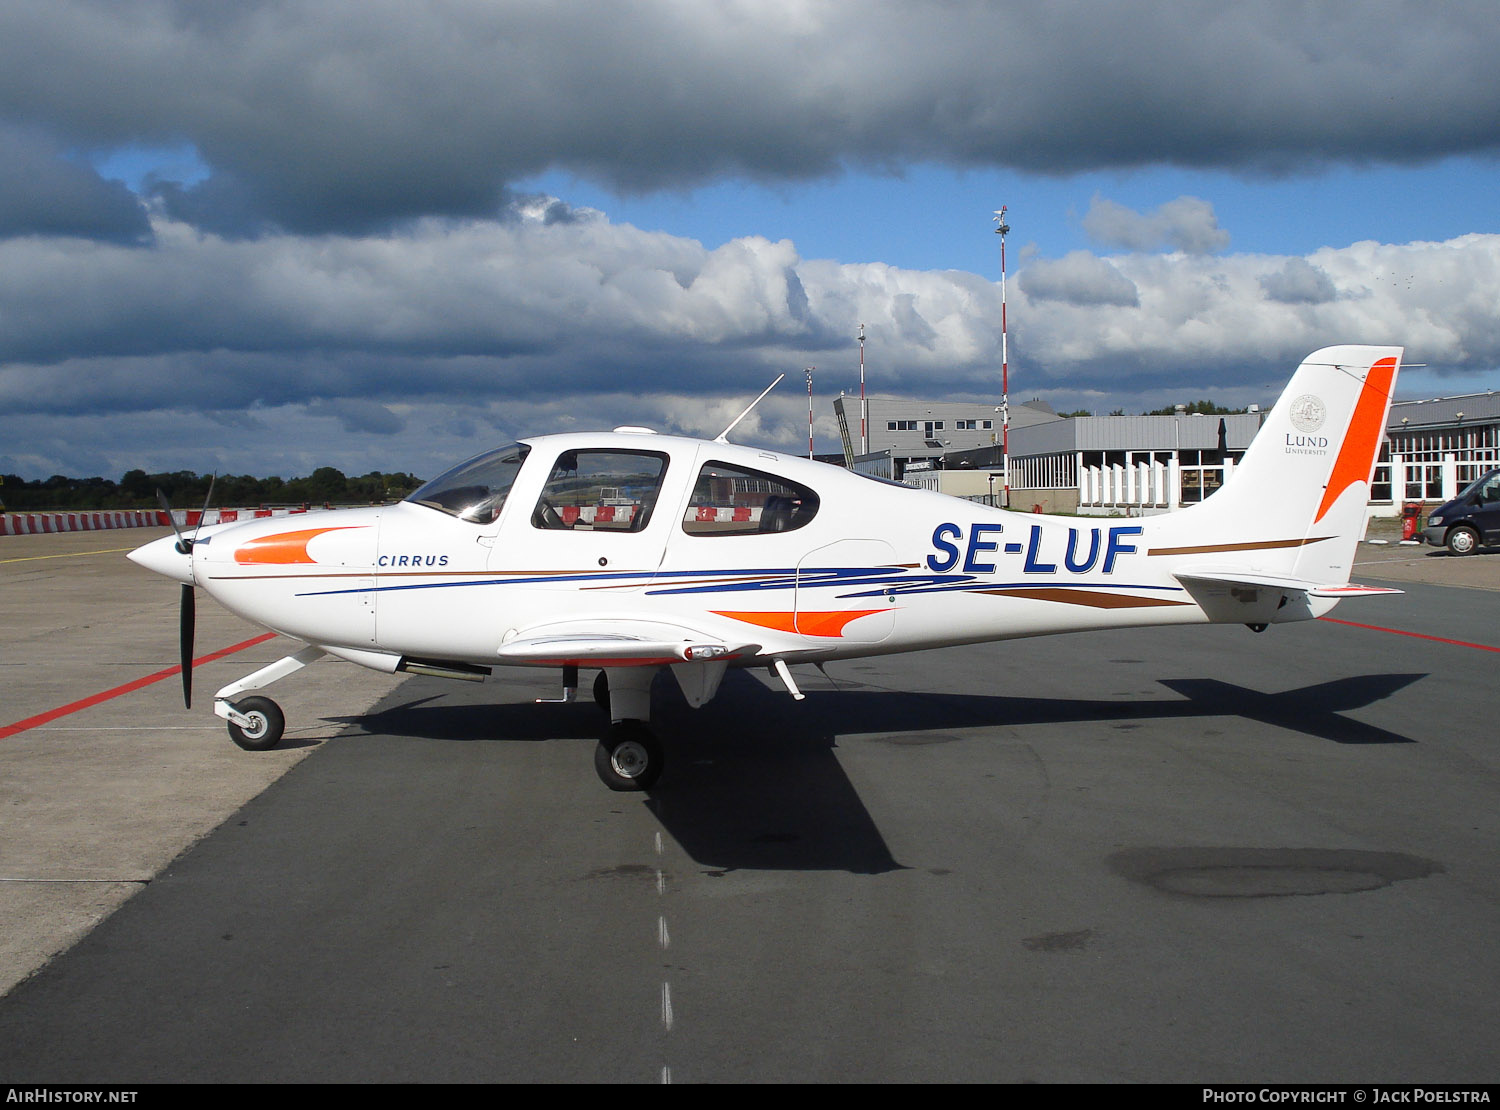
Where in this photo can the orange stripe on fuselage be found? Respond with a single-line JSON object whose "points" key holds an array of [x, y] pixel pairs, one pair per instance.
{"points": [[802, 623], [284, 548], [1357, 456]]}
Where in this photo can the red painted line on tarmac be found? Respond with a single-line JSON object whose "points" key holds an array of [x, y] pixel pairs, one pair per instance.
{"points": [[1417, 635], [129, 687]]}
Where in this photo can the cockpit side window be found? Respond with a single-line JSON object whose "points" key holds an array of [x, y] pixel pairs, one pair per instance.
{"points": [[735, 501], [475, 490], [601, 491]]}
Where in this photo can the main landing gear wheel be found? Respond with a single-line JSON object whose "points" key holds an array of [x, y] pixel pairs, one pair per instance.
{"points": [[629, 758], [267, 723], [601, 691]]}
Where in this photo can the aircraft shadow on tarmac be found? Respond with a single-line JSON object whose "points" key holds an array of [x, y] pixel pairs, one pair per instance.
{"points": [[753, 781]]}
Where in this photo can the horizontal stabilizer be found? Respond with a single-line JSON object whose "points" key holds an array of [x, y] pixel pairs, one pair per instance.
{"points": [[1252, 598], [1278, 582], [1352, 589]]}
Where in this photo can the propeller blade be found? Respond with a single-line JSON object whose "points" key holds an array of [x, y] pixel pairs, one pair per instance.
{"points": [[166, 507], [206, 502], [185, 645], [187, 616]]}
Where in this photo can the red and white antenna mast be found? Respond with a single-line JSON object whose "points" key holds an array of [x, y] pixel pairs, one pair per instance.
{"points": [[864, 412], [809, 372], [1001, 229]]}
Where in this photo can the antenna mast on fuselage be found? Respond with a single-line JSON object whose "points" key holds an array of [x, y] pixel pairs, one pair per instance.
{"points": [[722, 436]]}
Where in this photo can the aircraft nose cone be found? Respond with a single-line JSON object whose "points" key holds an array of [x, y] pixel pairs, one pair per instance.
{"points": [[163, 557]]}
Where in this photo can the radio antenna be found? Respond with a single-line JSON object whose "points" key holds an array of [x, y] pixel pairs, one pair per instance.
{"points": [[722, 437]]}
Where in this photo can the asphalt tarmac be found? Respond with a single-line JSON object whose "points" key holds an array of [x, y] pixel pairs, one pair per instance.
{"points": [[1178, 855]]}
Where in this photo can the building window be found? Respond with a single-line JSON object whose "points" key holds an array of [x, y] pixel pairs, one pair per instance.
{"points": [[1424, 482], [1202, 474]]}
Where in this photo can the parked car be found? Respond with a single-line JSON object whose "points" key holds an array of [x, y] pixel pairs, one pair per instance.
{"points": [[1471, 520]]}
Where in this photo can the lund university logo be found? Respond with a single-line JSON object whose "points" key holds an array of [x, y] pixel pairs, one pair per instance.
{"points": [[1308, 413]]}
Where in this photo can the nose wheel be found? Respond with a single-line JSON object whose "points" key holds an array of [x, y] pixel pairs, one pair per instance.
{"points": [[629, 758], [263, 724]]}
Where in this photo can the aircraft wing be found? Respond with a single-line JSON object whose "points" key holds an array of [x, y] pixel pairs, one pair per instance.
{"points": [[627, 643]]}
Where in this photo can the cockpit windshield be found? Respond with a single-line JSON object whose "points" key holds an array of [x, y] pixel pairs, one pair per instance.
{"points": [[476, 490]]}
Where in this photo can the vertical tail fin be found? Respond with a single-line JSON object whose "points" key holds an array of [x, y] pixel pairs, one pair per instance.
{"points": [[1295, 505]]}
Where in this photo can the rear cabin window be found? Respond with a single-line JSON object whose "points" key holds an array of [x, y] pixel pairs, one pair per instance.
{"points": [[601, 491], [734, 501]]}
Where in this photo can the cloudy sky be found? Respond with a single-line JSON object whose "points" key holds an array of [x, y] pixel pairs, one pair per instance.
{"points": [[259, 237]]}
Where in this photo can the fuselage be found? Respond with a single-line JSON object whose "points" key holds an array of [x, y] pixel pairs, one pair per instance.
{"points": [[806, 560]]}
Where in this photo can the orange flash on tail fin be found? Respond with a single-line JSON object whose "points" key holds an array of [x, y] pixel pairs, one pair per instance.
{"points": [[1357, 456]]}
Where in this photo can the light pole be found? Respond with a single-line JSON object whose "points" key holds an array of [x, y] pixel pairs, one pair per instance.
{"points": [[1001, 229], [809, 372]]}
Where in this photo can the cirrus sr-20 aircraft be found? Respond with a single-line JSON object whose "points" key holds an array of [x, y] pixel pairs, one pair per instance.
{"points": [[628, 551]]}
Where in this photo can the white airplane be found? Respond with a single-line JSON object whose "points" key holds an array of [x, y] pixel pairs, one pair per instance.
{"points": [[629, 551]]}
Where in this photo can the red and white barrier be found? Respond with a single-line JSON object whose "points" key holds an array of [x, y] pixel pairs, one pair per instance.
{"points": [[597, 514], [194, 518], [30, 524], [26, 524]]}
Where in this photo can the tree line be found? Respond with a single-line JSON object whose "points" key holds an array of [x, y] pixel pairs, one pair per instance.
{"points": [[1207, 408], [186, 490]]}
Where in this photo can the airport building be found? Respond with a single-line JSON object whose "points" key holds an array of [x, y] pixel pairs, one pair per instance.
{"points": [[1437, 447], [1139, 465], [904, 433], [1104, 465]]}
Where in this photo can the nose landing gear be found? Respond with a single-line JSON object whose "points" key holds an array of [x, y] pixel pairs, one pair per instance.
{"points": [[256, 724]]}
